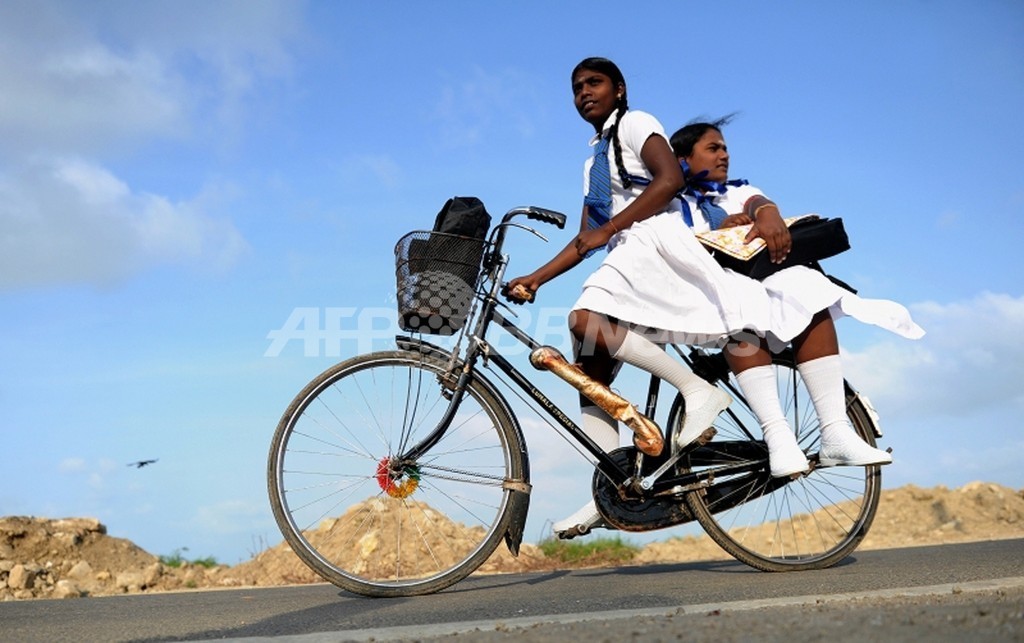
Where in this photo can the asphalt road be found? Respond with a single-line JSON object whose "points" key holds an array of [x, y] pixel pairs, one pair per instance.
{"points": [[940, 586]]}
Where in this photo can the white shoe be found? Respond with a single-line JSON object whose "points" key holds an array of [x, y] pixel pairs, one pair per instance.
{"points": [[698, 420], [785, 457], [578, 524], [845, 448]]}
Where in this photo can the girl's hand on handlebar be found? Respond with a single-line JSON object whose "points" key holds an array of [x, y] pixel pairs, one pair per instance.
{"points": [[521, 290]]}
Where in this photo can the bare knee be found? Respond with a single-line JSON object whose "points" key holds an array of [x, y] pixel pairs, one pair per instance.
{"points": [[578, 322], [819, 339], [595, 332], [745, 353]]}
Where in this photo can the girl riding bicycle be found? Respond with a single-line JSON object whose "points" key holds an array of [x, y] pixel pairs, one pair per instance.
{"points": [[639, 146]]}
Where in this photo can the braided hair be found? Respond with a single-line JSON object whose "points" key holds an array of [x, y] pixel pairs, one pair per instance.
{"points": [[611, 70]]}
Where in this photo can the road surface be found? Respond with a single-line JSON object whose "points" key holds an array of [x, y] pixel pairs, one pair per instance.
{"points": [[949, 592]]}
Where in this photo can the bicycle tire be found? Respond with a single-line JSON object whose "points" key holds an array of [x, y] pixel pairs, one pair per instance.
{"points": [[381, 531], [773, 524]]}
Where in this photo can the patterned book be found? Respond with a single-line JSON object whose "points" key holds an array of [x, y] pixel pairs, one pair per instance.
{"points": [[730, 240]]}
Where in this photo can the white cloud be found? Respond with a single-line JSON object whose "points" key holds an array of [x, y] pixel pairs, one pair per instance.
{"points": [[71, 465], [70, 220], [380, 168], [77, 94], [83, 77], [232, 517], [84, 82], [482, 100], [93, 475], [970, 361]]}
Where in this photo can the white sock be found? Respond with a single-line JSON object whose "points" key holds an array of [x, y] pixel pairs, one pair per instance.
{"points": [[840, 444], [600, 427], [604, 430], [643, 353], [760, 388], [823, 378], [703, 401]]}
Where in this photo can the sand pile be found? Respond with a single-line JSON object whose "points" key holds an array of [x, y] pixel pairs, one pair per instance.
{"points": [[74, 557]]}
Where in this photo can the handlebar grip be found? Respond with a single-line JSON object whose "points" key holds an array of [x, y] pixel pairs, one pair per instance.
{"points": [[547, 216], [520, 294]]}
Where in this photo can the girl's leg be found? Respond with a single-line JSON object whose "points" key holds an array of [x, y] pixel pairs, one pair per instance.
{"points": [[819, 364], [599, 427], [597, 334], [604, 430], [751, 362]]}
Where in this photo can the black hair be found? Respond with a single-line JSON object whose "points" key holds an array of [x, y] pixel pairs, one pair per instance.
{"points": [[612, 71], [687, 136]]}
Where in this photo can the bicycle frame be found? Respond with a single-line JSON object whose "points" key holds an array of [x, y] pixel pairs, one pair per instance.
{"points": [[493, 272]]}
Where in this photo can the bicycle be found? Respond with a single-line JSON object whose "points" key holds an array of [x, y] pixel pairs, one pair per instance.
{"points": [[399, 473]]}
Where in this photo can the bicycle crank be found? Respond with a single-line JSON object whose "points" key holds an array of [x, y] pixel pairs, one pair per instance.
{"points": [[639, 512]]}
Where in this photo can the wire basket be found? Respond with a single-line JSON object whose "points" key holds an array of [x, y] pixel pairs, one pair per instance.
{"points": [[436, 277]]}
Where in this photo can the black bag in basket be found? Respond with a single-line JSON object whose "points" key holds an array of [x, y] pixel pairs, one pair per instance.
{"points": [[437, 271], [464, 216]]}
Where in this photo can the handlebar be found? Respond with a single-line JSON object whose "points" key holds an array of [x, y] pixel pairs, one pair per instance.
{"points": [[498, 233], [547, 216], [532, 212], [538, 214]]}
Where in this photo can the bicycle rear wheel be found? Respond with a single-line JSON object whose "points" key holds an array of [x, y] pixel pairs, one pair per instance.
{"points": [[375, 525], [774, 524]]}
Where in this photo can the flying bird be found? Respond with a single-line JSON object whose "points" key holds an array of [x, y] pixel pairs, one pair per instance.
{"points": [[138, 464]]}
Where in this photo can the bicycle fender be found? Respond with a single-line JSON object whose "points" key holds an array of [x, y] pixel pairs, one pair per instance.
{"points": [[855, 397], [518, 507]]}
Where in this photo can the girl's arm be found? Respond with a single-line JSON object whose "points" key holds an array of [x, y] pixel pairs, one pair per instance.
{"points": [[667, 181], [566, 259], [768, 225]]}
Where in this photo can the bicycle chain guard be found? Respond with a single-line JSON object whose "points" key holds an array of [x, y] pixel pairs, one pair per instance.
{"points": [[637, 514]]}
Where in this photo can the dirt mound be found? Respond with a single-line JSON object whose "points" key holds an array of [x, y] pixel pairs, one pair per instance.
{"points": [[72, 557], [340, 540], [44, 558], [907, 517]]}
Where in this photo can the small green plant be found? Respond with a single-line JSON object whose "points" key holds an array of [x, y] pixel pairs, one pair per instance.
{"points": [[176, 559], [596, 551], [207, 562]]}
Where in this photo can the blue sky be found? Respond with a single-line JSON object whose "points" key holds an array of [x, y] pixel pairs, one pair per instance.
{"points": [[177, 178]]}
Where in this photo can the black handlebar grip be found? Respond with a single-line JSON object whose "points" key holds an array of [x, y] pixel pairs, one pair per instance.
{"points": [[547, 216]]}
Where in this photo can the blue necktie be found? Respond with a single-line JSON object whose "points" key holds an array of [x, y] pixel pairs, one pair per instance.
{"points": [[599, 196], [713, 213]]}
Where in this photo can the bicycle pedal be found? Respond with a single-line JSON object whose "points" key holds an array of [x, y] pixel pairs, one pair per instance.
{"points": [[572, 532], [707, 436]]}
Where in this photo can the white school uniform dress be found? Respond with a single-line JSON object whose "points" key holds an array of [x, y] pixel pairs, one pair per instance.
{"points": [[657, 276]]}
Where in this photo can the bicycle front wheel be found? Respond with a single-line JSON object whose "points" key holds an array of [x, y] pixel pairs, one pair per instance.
{"points": [[375, 525], [774, 524]]}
